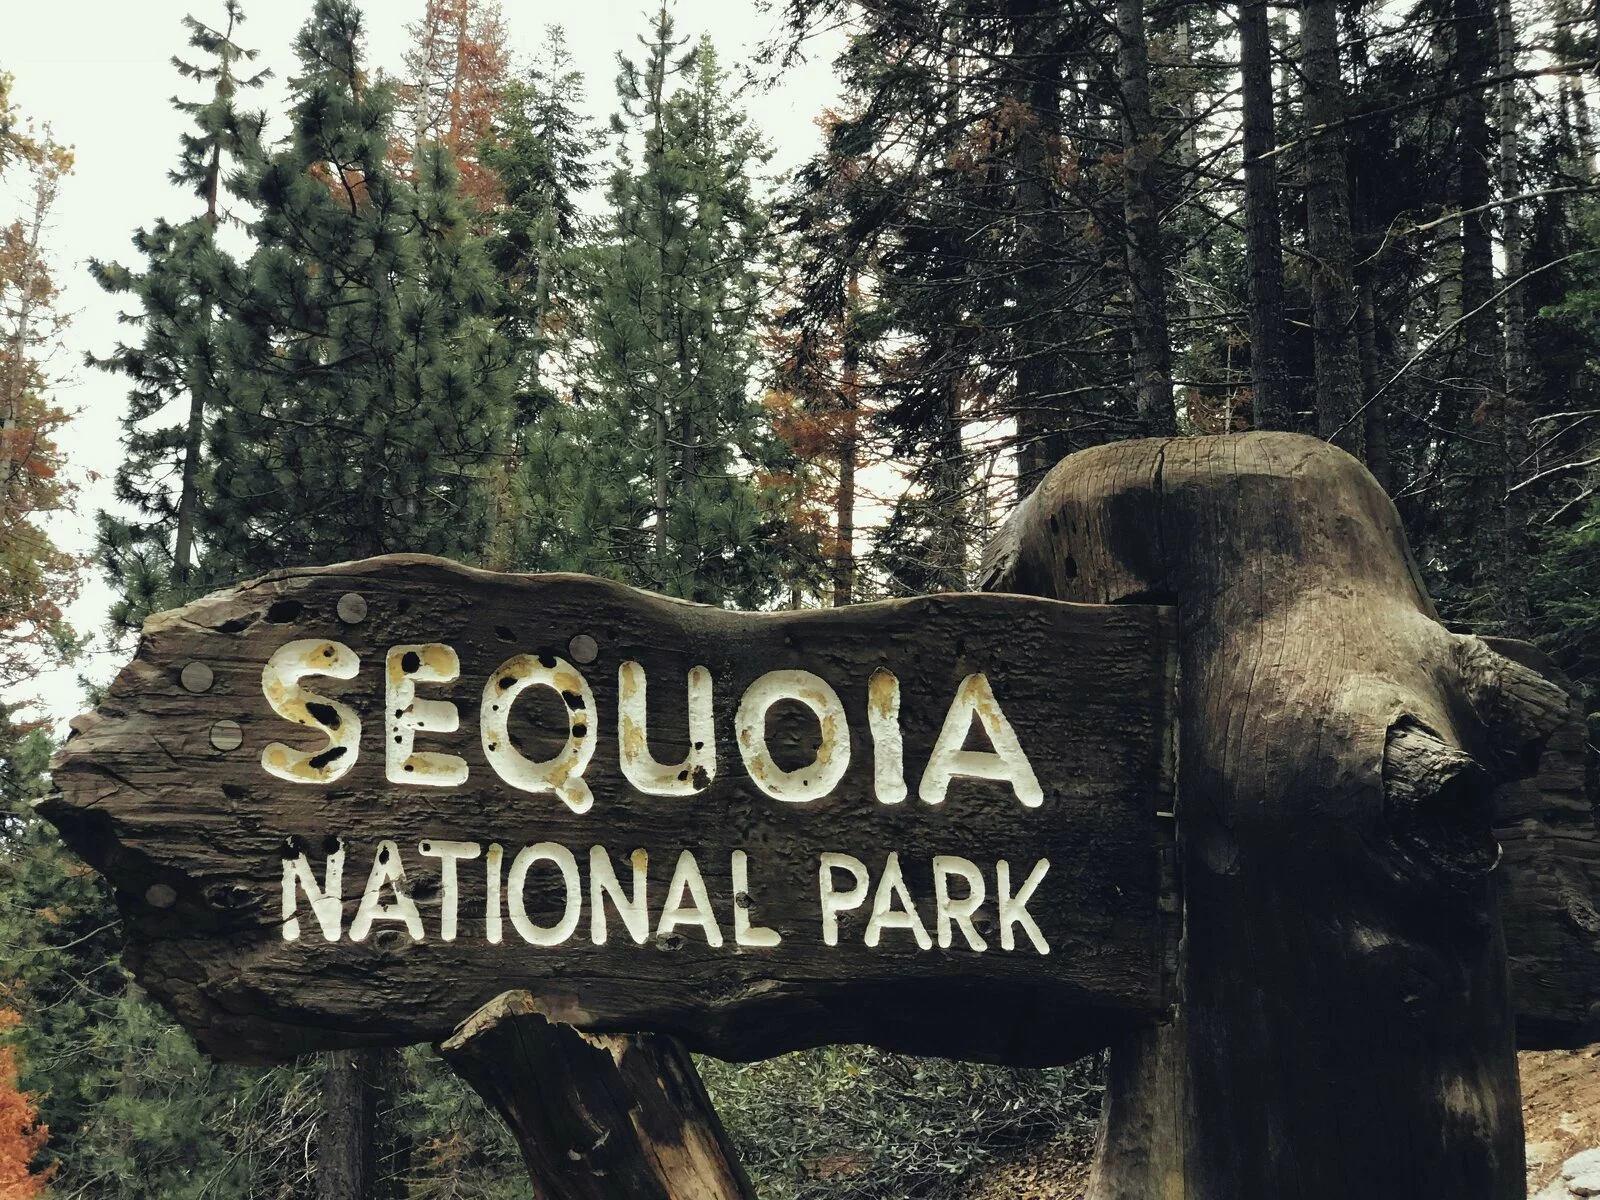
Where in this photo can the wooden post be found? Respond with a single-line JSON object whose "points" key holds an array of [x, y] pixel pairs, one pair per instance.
{"points": [[1550, 881], [1345, 1024], [598, 1116]]}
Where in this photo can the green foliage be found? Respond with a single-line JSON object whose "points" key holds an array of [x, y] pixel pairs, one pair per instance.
{"points": [[852, 1123], [176, 360], [135, 1111], [1566, 584], [462, 1150], [174, 370], [664, 472], [542, 153], [365, 384]]}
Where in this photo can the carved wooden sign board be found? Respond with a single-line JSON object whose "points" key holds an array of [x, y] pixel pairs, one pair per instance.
{"points": [[349, 805]]}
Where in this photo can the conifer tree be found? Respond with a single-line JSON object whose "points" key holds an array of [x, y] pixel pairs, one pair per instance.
{"points": [[669, 491], [152, 557], [541, 150], [364, 385]]}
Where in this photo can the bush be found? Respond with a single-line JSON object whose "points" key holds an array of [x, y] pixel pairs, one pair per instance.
{"points": [[853, 1123]]}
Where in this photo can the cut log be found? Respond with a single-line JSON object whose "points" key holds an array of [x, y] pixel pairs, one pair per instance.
{"points": [[1345, 1025], [1550, 881], [598, 1117]]}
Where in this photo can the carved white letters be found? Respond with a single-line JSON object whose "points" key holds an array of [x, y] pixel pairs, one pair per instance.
{"points": [[975, 698], [562, 774], [405, 713], [639, 767], [280, 681], [833, 752]]}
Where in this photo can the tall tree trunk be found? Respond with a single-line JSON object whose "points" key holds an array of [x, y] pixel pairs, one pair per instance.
{"points": [[1514, 443], [1147, 285], [949, 501], [663, 480], [947, 487], [1474, 146], [1269, 385], [1375, 421], [1328, 236], [1477, 396], [1044, 416], [1583, 127], [844, 558], [347, 1160]]}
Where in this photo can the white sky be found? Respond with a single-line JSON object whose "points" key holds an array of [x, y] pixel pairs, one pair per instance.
{"points": [[99, 73]]}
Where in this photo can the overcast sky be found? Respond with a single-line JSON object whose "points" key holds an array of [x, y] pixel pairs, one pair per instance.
{"points": [[99, 73]]}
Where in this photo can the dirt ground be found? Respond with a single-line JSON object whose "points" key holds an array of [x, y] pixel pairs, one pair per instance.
{"points": [[1054, 1170], [1560, 1112], [1560, 1108]]}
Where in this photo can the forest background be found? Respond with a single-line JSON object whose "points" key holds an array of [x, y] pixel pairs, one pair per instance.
{"points": [[435, 303]]}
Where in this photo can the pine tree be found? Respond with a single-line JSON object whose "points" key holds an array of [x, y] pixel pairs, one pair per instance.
{"points": [[152, 557], [541, 150], [363, 383], [668, 491]]}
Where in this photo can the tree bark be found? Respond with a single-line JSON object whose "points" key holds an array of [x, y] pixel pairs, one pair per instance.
{"points": [[1269, 385], [844, 528], [1044, 416], [1472, 25], [1147, 284], [1375, 420], [607, 1117], [1514, 549], [1344, 1026], [1583, 127], [951, 535], [347, 1161], [1328, 237], [1550, 886]]}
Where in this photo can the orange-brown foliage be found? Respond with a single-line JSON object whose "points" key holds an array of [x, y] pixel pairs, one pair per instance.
{"points": [[455, 75], [21, 1134], [36, 578]]}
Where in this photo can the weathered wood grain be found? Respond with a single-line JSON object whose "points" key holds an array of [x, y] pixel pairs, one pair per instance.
{"points": [[598, 1117], [1550, 881], [163, 789], [1345, 1023]]}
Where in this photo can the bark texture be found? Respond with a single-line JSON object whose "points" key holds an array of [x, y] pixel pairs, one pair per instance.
{"points": [[353, 1083], [1147, 280], [1514, 543], [1345, 1027], [1550, 880], [1269, 385], [1328, 236], [1035, 68], [597, 1117]]}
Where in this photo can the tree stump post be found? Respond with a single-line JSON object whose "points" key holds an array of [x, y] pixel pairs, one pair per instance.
{"points": [[597, 1116], [1344, 1025]]}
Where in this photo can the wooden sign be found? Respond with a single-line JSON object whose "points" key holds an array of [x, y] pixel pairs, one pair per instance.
{"points": [[350, 805]]}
